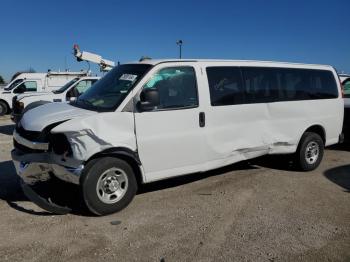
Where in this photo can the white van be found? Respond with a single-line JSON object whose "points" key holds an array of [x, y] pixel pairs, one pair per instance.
{"points": [[157, 119], [34, 82], [71, 90]]}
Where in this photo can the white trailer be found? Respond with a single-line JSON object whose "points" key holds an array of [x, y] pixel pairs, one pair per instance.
{"points": [[34, 82]]}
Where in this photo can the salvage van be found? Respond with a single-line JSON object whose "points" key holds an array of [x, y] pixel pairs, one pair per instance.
{"points": [[157, 119], [34, 82], [69, 91]]}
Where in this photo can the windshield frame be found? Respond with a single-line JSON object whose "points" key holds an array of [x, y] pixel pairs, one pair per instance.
{"points": [[85, 104], [14, 84]]}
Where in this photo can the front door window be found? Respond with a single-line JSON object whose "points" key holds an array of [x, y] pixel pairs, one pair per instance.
{"points": [[177, 87]]}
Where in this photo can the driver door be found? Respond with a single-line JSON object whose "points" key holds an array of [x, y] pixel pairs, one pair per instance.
{"points": [[170, 139]]}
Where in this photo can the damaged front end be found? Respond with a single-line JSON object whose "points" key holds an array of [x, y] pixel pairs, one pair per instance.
{"points": [[38, 157]]}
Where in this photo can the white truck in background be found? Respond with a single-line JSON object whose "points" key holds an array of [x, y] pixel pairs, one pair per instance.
{"points": [[71, 90], [34, 82]]}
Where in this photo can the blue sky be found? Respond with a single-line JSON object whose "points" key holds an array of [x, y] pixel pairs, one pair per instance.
{"points": [[40, 34]]}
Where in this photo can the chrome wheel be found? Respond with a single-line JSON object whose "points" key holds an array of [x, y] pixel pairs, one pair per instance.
{"points": [[312, 152], [112, 185]]}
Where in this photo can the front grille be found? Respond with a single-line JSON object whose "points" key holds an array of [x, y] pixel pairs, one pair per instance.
{"points": [[25, 149], [34, 136]]}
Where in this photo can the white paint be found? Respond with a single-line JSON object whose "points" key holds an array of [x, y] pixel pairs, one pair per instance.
{"points": [[171, 143]]}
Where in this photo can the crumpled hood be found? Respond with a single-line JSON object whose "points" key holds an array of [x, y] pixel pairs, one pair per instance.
{"points": [[40, 117]]}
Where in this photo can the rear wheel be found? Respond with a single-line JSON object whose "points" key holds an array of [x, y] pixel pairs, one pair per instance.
{"points": [[108, 185], [310, 151], [3, 108]]}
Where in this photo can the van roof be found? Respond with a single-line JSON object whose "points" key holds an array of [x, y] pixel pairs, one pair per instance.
{"points": [[256, 62]]}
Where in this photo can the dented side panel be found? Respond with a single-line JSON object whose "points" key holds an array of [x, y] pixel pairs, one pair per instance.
{"points": [[93, 134]]}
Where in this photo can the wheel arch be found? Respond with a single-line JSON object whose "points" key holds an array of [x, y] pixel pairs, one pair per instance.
{"points": [[126, 154], [318, 129]]}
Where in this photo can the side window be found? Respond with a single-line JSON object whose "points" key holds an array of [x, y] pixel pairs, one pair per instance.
{"points": [[324, 86], [262, 84], [225, 86], [296, 84], [177, 87], [80, 88], [346, 85], [84, 85], [29, 86], [307, 84]]}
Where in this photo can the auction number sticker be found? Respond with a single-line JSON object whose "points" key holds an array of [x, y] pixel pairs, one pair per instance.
{"points": [[128, 77]]}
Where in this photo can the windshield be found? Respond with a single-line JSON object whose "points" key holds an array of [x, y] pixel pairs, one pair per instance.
{"points": [[15, 83], [108, 93], [65, 87]]}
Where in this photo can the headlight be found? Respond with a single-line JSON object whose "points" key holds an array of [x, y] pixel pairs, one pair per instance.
{"points": [[60, 144]]}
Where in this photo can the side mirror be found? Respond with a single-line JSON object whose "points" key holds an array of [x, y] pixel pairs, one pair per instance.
{"points": [[149, 99]]}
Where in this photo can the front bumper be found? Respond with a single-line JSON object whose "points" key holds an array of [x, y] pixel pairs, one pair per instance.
{"points": [[37, 167]]}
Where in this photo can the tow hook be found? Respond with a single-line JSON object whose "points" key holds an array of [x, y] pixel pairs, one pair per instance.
{"points": [[43, 203]]}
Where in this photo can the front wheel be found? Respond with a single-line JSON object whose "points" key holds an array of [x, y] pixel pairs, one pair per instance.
{"points": [[310, 151], [108, 185]]}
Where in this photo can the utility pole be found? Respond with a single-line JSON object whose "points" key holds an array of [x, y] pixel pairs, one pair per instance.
{"points": [[179, 43]]}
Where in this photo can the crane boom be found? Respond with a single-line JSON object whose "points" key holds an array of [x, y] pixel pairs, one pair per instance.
{"points": [[105, 65]]}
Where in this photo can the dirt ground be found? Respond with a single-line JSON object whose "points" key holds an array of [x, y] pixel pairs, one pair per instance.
{"points": [[259, 210]]}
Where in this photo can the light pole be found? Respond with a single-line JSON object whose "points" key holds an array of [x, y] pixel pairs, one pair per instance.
{"points": [[179, 43]]}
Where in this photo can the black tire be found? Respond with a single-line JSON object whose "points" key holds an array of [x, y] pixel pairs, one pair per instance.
{"points": [[3, 108], [93, 171], [308, 162]]}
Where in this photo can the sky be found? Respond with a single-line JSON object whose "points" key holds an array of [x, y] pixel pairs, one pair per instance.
{"points": [[40, 34]]}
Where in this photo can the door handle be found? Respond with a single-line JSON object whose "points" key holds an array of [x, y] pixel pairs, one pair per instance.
{"points": [[202, 119]]}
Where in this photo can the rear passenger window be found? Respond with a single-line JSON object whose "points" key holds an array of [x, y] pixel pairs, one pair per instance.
{"points": [[262, 84], [267, 84], [324, 85], [177, 87], [307, 84], [225, 85]]}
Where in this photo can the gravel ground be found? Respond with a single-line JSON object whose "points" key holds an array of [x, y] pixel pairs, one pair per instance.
{"points": [[252, 211]]}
